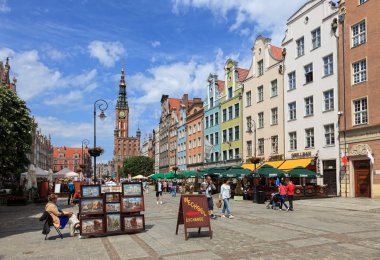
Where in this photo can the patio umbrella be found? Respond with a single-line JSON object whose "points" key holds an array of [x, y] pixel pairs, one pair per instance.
{"points": [[300, 171], [215, 171], [267, 171], [139, 177], [235, 172]]}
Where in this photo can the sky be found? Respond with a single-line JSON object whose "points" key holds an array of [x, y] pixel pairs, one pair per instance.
{"points": [[66, 54]]}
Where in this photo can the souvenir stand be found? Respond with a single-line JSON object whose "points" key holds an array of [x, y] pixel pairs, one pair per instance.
{"points": [[111, 212]]}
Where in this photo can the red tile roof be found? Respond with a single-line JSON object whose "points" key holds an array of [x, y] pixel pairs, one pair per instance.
{"points": [[276, 52], [175, 103], [69, 152], [242, 74], [220, 86]]}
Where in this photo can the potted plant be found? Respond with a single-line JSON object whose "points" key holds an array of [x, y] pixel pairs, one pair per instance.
{"points": [[255, 160], [238, 191], [96, 151]]}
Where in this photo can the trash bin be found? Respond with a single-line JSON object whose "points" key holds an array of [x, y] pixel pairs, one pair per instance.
{"points": [[261, 197]]}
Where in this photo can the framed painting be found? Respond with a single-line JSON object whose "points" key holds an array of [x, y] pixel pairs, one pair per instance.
{"points": [[132, 189], [88, 206], [88, 191], [112, 197], [132, 204], [113, 207], [133, 223], [92, 226], [113, 223]]}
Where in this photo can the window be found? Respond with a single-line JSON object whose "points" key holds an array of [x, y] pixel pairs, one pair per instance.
{"points": [[308, 73], [190, 160], [274, 144], [216, 156], [362, 1], [358, 34], [216, 137], [359, 71], [328, 66], [237, 110], [211, 102], [206, 119], [316, 38], [300, 47], [309, 134], [199, 126], [189, 130], [211, 120], [194, 128], [249, 122], [329, 134], [199, 141], [273, 91], [274, 116], [260, 117], [230, 154], [199, 158], [248, 98], [292, 80], [194, 159], [190, 144], [211, 139], [260, 143], [292, 111], [224, 115], [260, 94], [229, 92], [224, 155], [230, 113], [360, 111], [237, 153], [237, 133], [224, 136], [293, 141], [309, 106], [260, 68], [249, 148], [230, 133], [216, 118], [328, 100]]}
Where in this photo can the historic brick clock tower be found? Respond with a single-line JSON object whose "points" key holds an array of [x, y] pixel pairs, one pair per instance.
{"points": [[124, 146]]}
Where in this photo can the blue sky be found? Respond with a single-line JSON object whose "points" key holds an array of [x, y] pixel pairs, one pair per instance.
{"points": [[68, 53]]}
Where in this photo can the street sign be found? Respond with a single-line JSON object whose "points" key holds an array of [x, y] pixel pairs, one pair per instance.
{"points": [[193, 213]]}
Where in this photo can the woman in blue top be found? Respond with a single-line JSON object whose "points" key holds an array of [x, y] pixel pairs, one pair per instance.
{"points": [[225, 195]]}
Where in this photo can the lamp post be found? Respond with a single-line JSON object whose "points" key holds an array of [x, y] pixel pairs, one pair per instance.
{"points": [[102, 105], [251, 123], [86, 143]]}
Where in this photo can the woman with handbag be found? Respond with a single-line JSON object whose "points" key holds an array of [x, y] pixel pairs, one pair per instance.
{"points": [[225, 195]]}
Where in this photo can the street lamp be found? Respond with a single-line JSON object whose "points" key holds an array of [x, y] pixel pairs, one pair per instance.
{"points": [[102, 105], [86, 143], [251, 123]]}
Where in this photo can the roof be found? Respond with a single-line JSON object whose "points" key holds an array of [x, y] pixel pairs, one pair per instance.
{"points": [[242, 74], [276, 52], [69, 152], [220, 86], [175, 103]]}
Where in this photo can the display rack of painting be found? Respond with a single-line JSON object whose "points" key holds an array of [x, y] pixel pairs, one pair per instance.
{"points": [[111, 212]]}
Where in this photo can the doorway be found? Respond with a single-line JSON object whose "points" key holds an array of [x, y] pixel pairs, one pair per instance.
{"points": [[329, 176], [362, 179]]}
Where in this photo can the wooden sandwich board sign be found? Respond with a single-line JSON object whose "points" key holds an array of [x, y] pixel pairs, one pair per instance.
{"points": [[193, 213]]}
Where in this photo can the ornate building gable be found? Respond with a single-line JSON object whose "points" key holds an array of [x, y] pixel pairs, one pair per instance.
{"points": [[360, 150]]}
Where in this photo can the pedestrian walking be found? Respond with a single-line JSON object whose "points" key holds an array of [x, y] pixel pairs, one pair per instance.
{"points": [[225, 195], [282, 191], [165, 186], [71, 191], [170, 185], [210, 187], [174, 188], [159, 187], [291, 187]]}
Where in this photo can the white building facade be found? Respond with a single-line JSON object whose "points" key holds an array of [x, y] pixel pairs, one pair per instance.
{"points": [[311, 89]]}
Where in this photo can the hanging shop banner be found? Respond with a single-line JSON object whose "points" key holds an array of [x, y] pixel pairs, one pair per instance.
{"points": [[193, 213]]}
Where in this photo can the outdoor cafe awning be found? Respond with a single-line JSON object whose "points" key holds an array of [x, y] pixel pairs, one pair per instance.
{"points": [[251, 166], [293, 163]]}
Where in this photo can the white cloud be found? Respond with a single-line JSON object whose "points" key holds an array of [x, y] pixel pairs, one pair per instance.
{"points": [[265, 16], [156, 44], [63, 99], [55, 54], [106, 52], [4, 8]]}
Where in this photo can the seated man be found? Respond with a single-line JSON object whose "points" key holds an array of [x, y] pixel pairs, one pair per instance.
{"points": [[60, 218]]}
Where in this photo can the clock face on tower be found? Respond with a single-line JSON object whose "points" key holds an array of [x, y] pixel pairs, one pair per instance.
{"points": [[122, 114]]}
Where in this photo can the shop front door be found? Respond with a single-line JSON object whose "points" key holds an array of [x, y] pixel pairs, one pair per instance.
{"points": [[329, 179], [362, 179]]}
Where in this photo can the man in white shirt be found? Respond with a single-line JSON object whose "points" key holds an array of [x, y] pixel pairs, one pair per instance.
{"points": [[159, 187]]}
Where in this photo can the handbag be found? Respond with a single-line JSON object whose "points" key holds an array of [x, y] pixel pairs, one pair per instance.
{"points": [[219, 204]]}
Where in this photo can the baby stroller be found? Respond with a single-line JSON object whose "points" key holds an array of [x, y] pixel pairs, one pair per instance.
{"points": [[275, 201]]}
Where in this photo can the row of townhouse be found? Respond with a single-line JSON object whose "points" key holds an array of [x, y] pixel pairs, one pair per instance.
{"points": [[314, 97]]}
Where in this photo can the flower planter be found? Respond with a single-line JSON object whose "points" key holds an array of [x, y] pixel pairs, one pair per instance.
{"points": [[96, 151]]}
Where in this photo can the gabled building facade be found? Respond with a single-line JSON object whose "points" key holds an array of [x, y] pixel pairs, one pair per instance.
{"points": [[212, 120], [194, 122], [263, 103], [310, 90], [181, 133], [231, 114]]}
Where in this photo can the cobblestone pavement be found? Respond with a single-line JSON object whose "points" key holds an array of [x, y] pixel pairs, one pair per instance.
{"points": [[334, 228]]}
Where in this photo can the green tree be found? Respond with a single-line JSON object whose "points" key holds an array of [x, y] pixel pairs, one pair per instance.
{"points": [[15, 133], [136, 165]]}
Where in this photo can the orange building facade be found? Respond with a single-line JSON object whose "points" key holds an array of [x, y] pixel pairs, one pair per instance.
{"points": [[71, 158], [194, 144]]}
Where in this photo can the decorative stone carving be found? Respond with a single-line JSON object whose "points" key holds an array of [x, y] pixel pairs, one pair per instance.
{"points": [[360, 149]]}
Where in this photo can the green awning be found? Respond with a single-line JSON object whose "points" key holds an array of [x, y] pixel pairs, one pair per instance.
{"points": [[235, 172], [303, 173], [267, 171], [191, 174], [215, 171]]}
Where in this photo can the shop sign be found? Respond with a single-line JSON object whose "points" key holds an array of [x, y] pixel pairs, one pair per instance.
{"points": [[301, 155]]}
